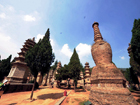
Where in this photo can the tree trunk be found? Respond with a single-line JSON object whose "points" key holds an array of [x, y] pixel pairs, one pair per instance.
{"points": [[33, 88], [46, 79]]}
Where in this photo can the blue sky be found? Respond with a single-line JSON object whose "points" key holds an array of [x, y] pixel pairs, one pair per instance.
{"points": [[70, 23]]}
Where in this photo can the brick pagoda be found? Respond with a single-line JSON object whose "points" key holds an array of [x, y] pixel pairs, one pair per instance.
{"points": [[19, 70], [108, 83], [87, 76]]}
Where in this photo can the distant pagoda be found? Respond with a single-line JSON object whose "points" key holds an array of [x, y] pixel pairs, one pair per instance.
{"points": [[19, 70], [87, 76]]}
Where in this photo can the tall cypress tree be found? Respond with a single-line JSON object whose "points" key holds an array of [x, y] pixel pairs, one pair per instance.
{"points": [[135, 46], [74, 67], [40, 57]]}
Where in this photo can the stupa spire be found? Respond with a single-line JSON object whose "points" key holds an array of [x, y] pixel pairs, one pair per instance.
{"points": [[97, 34]]}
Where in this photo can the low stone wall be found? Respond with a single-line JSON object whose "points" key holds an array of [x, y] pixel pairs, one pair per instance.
{"points": [[18, 87]]}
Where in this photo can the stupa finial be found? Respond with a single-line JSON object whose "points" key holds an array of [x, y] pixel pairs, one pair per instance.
{"points": [[97, 34]]}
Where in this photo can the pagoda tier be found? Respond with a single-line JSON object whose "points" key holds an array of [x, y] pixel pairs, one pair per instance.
{"points": [[30, 42], [21, 54], [19, 59], [87, 70], [27, 45], [24, 49]]}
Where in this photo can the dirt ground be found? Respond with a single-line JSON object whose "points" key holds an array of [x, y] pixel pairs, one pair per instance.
{"points": [[49, 96], [43, 96]]}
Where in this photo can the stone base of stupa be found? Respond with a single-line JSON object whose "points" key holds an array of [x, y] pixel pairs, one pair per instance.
{"points": [[109, 87], [17, 80], [111, 96]]}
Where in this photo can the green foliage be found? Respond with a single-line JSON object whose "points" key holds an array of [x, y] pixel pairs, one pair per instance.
{"points": [[74, 66], [131, 76], [5, 67], [134, 64], [63, 73], [40, 57], [135, 45], [82, 69], [128, 75]]}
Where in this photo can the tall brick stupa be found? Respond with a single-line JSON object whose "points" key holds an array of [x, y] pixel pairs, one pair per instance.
{"points": [[108, 83]]}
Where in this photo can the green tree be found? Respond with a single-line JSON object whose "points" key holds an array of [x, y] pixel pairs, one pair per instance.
{"points": [[63, 74], [135, 46], [74, 67], [40, 57], [5, 67], [131, 76], [128, 75]]}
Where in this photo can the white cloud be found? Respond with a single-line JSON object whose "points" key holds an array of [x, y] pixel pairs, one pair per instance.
{"points": [[122, 57], [39, 36], [7, 46], [66, 50], [52, 42], [11, 8], [2, 15], [29, 18], [83, 50]]}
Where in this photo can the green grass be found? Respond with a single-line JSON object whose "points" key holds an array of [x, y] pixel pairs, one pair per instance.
{"points": [[82, 103]]}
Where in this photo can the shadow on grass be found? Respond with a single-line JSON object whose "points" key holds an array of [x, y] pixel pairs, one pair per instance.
{"points": [[12, 104], [51, 95]]}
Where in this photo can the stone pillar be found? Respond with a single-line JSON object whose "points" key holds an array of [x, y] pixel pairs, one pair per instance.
{"points": [[44, 80], [87, 76], [39, 78], [55, 72], [108, 83]]}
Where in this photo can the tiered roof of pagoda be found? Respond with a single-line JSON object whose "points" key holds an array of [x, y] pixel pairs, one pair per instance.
{"points": [[26, 46], [87, 70]]}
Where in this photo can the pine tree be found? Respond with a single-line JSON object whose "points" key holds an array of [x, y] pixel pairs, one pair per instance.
{"points": [[5, 67], [40, 57], [74, 67]]}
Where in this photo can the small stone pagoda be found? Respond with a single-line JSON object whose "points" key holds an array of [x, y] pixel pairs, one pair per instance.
{"points": [[19, 70], [50, 76], [87, 76], [55, 72], [108, 83]]}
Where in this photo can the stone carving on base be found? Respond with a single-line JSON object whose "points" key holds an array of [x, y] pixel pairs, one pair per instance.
{"points": [[108, 83]]}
